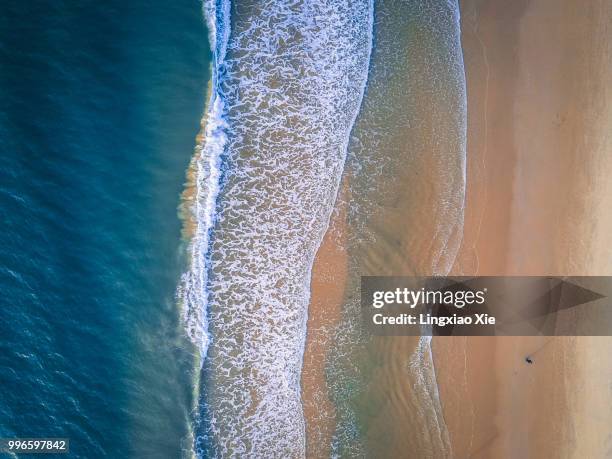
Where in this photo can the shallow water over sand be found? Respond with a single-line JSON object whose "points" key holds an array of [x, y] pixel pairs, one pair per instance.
{"points": [[407, 185]]}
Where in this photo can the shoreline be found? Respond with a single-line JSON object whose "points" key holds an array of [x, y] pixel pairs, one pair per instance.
{"points": [[470, 385]]}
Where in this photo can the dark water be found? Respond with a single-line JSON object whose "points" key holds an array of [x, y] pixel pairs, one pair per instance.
{"points": [[100, 103]]}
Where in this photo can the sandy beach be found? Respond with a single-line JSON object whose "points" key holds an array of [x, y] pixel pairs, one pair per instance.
{"points": [[537, 103], [538, 84]]}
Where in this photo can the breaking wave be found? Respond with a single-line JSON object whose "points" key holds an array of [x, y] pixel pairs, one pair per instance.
{"points": [[288, 80]]}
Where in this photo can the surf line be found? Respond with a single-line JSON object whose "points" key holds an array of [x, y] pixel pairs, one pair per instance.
{"points": [[192, 291], [424, 353]]}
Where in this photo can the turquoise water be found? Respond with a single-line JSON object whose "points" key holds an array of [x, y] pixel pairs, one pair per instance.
{"points": [[100, 103]]}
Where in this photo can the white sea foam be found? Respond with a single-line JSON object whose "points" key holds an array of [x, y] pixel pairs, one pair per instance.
{"points": [[193, 292], [288, 81]]}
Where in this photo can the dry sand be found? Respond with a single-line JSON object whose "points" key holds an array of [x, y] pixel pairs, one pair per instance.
{"points": [[538, 76]]}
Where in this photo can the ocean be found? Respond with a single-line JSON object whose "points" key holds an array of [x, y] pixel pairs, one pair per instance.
{"points": [[155, 297], [100, 106]]}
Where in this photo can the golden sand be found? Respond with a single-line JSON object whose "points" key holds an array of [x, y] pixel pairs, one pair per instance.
{"points": [[538, 76]]}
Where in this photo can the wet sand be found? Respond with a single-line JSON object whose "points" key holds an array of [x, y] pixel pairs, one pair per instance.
{"points": [[538, 76], [327, 292]]}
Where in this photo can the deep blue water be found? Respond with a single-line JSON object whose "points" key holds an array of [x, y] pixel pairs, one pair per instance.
{"points": [[100, 103]]}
